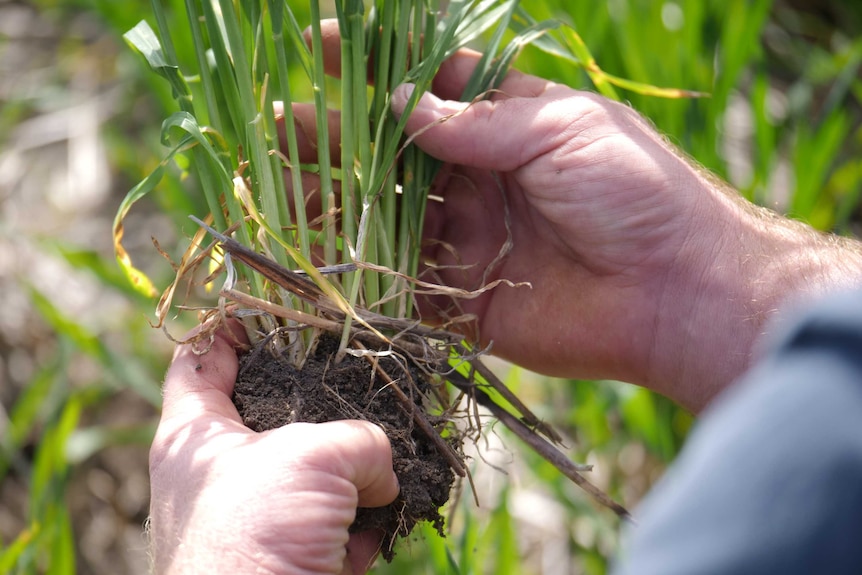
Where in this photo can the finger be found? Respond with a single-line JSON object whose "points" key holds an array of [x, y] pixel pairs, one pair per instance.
{"points": [[497, 135], [313, 209], [455, 73], [359, 452], [362, 549], [312, 205], [201, 377], [305, 127], [330, 36]]}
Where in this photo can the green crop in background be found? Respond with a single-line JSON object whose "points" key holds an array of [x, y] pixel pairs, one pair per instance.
{"points": [[782, 122]]}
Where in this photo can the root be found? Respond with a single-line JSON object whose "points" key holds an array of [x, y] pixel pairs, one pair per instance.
{"points": [[540, 445], [421, 421], [428, 349]]}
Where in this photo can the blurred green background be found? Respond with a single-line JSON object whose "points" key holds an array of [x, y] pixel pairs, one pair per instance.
{"points": [[80, 367]]}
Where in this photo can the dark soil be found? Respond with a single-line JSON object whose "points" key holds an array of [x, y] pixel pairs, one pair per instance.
{"points": [[271, 393]]}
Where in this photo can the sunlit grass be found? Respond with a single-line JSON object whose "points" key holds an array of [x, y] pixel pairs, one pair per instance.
{"points": [[798, 128]]}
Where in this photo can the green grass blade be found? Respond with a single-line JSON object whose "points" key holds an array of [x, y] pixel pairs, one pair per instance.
{"points": [[479, 79], [213, 116], [496, 73], [421, 76], [53, 549], [104, 270], [11, 555], [498, 543], [301, 51], [640, 413], [350, 184], [136, 278], [814, 157], [250, 119], [282, 38], [125, 371], [480, 18], [37, 396], [226, 80], [85, 443], [467, 541], [62, 549], [143, 40], [548, 44], [650, 90], [582, 53], [320, 104]]}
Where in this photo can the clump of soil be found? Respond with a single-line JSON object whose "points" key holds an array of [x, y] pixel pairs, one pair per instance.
{"points": [[270, 393]]}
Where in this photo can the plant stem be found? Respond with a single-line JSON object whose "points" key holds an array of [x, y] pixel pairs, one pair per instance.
{"points": [[318, 80], [301, 236]]}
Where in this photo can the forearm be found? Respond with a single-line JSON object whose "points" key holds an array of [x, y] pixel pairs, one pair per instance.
{"points": [[762, 266]]}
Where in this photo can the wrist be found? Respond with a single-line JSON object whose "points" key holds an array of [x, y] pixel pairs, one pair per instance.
{"points": [[743, 266], [799, 265]]}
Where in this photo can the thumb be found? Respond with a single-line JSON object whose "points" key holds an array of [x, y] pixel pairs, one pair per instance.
{"points": [[201, 377], [500, 135], [357, 451]]}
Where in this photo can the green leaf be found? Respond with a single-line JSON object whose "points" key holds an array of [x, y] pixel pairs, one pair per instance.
{"points": [[499, 544], [144, 41], [84, 443], [138, 279], [62, 549], [814, 156], [125, 371], [643, 413], [580, 50], [10, 556], [488, 66], [650, 90], [36, 397], [101, 268], [548, 44]]}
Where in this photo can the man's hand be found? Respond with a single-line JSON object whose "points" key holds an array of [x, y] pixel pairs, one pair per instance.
{"points": [[643, 266], [228, 500], [602, 214]]}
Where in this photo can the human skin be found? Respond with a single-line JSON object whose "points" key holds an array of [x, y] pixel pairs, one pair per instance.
{"points": [[225, 499], [643, 267]]}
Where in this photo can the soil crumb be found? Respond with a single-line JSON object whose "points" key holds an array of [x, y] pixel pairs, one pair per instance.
{"points": [[270, 393]]}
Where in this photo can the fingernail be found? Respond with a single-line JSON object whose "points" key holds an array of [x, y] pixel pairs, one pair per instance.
{"points": [[400, 96]]}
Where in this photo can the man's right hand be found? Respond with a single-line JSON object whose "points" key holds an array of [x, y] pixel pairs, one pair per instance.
{"points": [[643, 267]]}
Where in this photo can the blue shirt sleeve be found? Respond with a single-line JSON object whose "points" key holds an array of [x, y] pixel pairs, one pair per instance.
{"points": [[770, 480]]}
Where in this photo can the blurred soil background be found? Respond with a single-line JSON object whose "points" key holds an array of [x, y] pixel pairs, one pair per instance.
{"points": [[80, 367]]}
